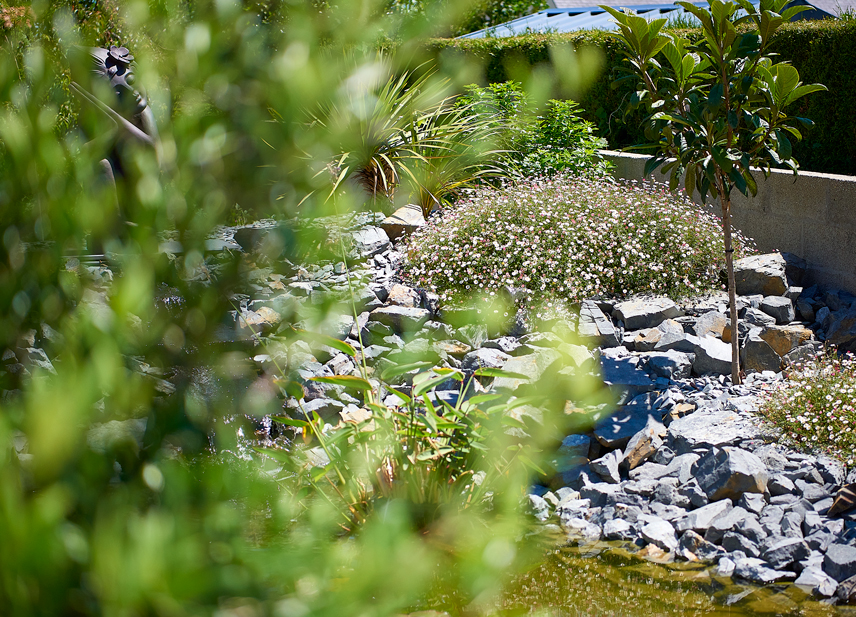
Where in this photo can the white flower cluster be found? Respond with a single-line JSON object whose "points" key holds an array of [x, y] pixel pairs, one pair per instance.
{"points": [[570, 238], [816, 406]]}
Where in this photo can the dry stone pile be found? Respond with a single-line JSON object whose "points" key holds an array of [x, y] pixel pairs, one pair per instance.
{"points": [[682, 470]]}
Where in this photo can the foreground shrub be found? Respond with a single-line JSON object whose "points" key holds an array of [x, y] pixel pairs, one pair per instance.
{"points": [[538, 141], [570, 238], [816, 406]]}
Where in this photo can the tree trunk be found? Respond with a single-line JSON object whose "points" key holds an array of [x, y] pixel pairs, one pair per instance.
{"points": [[732, 288]]}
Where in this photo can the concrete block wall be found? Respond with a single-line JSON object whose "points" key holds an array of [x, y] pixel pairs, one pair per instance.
{"points": [[812, 216]]}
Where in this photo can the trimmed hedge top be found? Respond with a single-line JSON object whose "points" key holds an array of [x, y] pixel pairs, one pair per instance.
{"points": [[822, 51]]}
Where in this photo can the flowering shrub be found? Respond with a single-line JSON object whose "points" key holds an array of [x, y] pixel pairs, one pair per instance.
{"points": [[816, 406], [570, 238]]}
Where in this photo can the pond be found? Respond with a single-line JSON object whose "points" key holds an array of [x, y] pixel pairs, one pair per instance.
{"points": [[611, 581]]}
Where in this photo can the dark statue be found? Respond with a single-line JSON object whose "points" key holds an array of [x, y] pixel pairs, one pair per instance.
{"points": [[129, 111]]}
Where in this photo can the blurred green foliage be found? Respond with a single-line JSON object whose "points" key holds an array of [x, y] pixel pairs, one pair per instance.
{"points": [[822, 52], [122, 493]]}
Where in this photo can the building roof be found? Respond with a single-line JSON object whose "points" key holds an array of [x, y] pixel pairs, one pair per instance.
{"points": [[588, 17]]}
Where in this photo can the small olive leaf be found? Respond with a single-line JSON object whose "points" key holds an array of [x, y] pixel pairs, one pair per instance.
{"points": [[750, 182], [498, 372], [346, 381], [483, 398], [450, 372], [530, 464], [426, 385], [785, 149], [690, 180], [290, 421], [291, 388], [401, 369], [329, 341], [281, 456]]}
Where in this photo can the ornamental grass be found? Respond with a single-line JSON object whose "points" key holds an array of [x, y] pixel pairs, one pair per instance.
{"points": [[570, 238]]}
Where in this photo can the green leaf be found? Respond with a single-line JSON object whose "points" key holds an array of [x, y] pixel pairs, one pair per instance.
{"points": [[292, 388], [714, 98], [290, 421], [786, 79], [400, 395], [785, 150], [498, 372], [803, 90], [530, 464], [450, 372], [690, 180], [281, 456], [329, 341], [346, 381], [426, 385], [483, 398], [401, 369]]}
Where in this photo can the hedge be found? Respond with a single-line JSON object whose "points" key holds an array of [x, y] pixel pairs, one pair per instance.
{"points": [[822, 51]]}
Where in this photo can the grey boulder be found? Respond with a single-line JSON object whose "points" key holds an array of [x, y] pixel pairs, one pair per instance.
{"points": [[645, 312], [728, 473], [779, 308], [761, 274]]}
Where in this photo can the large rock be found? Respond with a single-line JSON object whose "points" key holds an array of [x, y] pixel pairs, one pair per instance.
{"points": [[779, 308], [670, 364], [727, 473], [705, 429], [644, 444], [842, 330], [616, 430], [761, 274], [607, 467], [712, 356], [757, 355], [757, 571], [840, 561], [596, 328], [625, 379], [658, 532], [645, 312], [370, 241], [403, 221], [818, 583], [783, 553], [701, 519], [401, 318], [484, 358], [711, 323], [677, 341], [402, 295], [533, 366], [785, 338]]}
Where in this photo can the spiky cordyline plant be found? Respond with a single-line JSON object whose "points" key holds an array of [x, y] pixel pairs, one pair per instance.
{"points": [[404, 135]]}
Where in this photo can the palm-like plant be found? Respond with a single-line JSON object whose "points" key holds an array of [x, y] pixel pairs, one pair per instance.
{"points": [[402, 135]]}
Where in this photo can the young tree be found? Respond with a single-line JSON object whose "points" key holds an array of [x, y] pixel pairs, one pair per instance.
{"points": [[716, 108]]}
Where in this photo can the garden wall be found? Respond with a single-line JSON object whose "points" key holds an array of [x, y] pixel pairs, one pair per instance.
{"points": [[813, 217]]}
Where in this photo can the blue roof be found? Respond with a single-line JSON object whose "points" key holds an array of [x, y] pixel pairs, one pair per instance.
{"points": [[591, 18]]}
